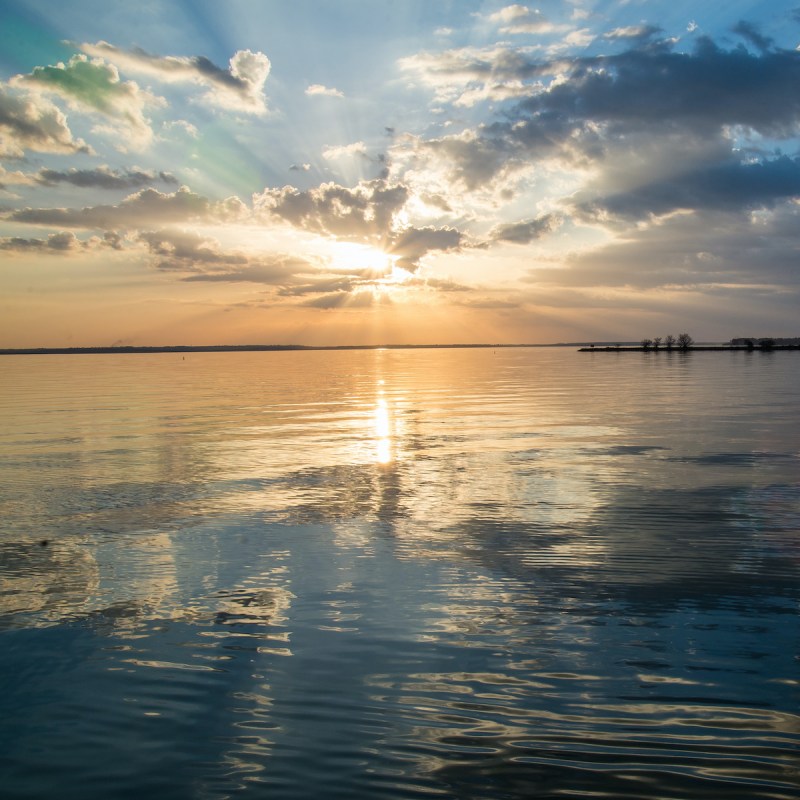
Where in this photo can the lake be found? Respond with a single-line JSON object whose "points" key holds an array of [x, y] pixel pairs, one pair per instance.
{"points": [[450, 573]]}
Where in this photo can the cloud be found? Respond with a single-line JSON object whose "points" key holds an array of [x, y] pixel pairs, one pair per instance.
{"points": [[103, 178], [324, 285], [748, 31], [640, 32], [55, 243], [651, 85], [519, 19], [471, 160], [660, 88], [300, 167], [705, 251], [365, 212], [140, 210], [203, 259], [526, 231], [463, 75], [411, 244], [15, 178], [590, 114], [318, 90], [728, 186], [95, 86], [354, 150], [358, 299], [240, 87], [29, 121]]}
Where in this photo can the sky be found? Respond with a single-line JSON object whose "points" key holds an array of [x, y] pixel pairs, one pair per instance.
{"points": [[188, 172]]}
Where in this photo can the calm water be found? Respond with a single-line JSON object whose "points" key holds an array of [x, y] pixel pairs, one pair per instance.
{"points": [[524, 573]]}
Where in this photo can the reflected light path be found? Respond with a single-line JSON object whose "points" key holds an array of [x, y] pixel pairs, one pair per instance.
{"points": [[383, 429]]}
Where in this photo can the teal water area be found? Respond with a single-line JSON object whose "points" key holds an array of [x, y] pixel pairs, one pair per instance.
{"points": [[400, 574]]}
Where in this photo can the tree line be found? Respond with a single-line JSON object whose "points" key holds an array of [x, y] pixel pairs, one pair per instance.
{"points": [[680, 342]]}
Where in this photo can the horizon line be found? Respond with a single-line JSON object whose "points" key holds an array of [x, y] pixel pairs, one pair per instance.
{"points": [[48, 350]]}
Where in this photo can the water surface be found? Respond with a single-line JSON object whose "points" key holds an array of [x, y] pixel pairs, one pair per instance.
{"points": [[485, 573]]}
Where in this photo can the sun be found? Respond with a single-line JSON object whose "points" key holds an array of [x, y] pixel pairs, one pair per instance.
{"points": [[376, 270]]}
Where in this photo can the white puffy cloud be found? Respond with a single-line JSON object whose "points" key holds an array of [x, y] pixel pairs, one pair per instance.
{"points": [[353, 150], [519, 19], [318, 90], [95, 86], [29, 121], [365, 212]]}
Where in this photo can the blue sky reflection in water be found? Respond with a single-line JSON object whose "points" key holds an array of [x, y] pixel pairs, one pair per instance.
{"points": [[449, 573]]}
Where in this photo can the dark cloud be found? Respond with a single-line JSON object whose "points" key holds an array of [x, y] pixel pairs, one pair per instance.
{"points": [[411, 244], [142, 209], [104, 178], [526, 231], [62, 242], [601, 103], [706, 89], [738, 251], [729, 186], [748, 31]]}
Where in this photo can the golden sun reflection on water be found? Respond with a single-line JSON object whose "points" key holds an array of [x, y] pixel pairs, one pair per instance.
{"points": [[382, 428]]}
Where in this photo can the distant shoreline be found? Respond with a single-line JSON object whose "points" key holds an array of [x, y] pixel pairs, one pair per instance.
{"points": [[257, 348], [717, 348], [251, 348]]}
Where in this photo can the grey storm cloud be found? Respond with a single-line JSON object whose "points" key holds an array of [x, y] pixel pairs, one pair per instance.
{"points": [[705, 89], [729, 186], [104, 178]]}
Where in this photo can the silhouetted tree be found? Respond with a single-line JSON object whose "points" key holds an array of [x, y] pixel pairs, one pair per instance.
{"points": [[669, 341], [766, 344], [646, 343], [684, 341], [656, 342], [749, 344]]}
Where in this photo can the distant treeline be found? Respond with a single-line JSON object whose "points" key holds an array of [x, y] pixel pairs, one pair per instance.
{"points": [[747, 341]]}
